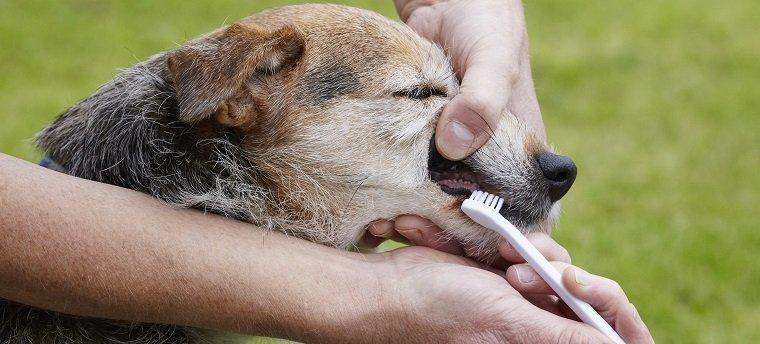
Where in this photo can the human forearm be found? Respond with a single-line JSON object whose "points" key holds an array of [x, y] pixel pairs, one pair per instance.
{"points": [[91, 249]]}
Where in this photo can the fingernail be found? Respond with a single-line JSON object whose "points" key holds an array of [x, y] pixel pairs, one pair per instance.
{"points": [[505, 244], [457, 139], [378, 231], [581, 277], [525, 274]]}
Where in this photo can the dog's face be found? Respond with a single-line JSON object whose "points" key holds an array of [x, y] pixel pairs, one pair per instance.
{"points": [[334, 108]]}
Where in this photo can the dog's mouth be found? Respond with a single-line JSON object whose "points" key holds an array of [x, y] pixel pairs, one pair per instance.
{"points": [[455, 177], [524, 209]]}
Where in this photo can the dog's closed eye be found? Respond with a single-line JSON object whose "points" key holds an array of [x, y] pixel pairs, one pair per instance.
{"points": [[420, 93]]}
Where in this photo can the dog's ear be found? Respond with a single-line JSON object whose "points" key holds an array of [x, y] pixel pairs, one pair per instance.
{"points": [[209, 75]]}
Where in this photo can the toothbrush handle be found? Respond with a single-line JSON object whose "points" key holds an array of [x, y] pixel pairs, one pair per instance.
{"points": [[552, 277]]}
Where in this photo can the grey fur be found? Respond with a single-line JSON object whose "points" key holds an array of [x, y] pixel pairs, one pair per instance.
{"points": [[127, 134], [22, 324], [356, 158], [328, 83]]}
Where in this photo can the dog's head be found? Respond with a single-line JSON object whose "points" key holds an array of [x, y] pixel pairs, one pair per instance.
{"points": [[314, 120]]}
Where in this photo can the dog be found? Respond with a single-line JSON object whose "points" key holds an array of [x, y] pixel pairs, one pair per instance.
{"points": [[312, 120]]}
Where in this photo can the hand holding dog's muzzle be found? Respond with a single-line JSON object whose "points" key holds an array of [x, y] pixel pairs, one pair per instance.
{"points": [[488, 46]]}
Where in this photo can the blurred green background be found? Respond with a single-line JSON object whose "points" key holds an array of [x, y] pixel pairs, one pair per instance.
{"points": [[657, 102]]}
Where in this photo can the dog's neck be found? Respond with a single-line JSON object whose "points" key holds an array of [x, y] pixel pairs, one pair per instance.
{"points": [[127, 134]]}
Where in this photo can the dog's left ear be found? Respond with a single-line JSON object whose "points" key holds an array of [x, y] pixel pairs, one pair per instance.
{"points": [[208, 75]]}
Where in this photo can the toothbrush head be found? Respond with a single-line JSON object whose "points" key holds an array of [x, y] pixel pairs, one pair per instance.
{"points": [[492, 201]]}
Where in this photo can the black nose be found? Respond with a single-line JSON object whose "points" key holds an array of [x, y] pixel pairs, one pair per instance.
{"points": [[559, 172]]}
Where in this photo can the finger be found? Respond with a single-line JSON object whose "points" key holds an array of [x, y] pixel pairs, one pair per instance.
{"points": [[549, 303], [534, 325], [609, 299], [385, 229], [422, 232], [566, 311], [630, 326], [370, 241], [489, 71], [375, 233], [553, 304], [405, 8], [526, 280], [523, 103], [604, 294], [543, 243], [467, 122], [381, 228]]}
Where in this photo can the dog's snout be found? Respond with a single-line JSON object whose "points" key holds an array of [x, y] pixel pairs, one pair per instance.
{"points": [[559, 172]]}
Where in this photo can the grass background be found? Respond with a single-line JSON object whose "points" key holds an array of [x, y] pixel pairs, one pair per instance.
{"points": [[657, 102]]}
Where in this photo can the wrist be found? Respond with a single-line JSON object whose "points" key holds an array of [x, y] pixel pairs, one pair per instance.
{"points": [[331, 297]]}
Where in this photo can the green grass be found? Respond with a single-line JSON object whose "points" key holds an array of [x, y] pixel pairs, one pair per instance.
{"points": [[657, 102]]}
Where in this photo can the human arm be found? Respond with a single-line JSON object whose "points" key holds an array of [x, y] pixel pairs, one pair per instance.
{"points": [[90, 249]]}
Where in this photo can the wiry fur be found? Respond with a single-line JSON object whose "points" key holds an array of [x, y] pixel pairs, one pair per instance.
{"points": [[287, 120], [23, 324]]}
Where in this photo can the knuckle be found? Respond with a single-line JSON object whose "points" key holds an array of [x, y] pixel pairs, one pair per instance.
{"points": [[511, 74], [614, 288], [483, 107], [611, 297]]}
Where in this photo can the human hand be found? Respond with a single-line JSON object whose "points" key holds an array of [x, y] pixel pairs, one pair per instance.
{"points": [[451, 299], [487, 43], [603, 294]]}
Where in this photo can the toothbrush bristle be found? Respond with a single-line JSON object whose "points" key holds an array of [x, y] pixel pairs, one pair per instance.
{"points": [[490, 200]]}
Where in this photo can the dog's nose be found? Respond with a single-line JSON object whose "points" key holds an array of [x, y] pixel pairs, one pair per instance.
{"points": [[559, 172]]}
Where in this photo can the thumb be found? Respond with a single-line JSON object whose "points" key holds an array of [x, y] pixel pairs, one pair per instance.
{"points": [[471, 117], [539, 326]]}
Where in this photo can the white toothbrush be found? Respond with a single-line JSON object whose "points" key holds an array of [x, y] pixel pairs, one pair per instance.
{"points": [[483, 208]]}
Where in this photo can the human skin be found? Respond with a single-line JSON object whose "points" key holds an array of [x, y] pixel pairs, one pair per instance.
{"points": [[91, 249], [84, 248], [487, 43]]}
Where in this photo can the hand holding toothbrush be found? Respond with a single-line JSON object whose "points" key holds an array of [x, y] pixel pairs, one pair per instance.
{"points": [[534, 314]]}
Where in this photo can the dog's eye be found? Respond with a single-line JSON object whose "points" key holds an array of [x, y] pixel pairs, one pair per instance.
{"points": [[419, 93]]}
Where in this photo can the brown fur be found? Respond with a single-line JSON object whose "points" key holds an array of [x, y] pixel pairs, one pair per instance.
{"points": [[312, 120]]}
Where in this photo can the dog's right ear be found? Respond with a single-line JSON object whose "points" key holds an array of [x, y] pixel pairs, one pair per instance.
{"points": [[208, 75]]}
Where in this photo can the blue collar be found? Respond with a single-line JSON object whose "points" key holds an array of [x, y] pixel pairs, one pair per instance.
{"points": [[46, 162]]}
